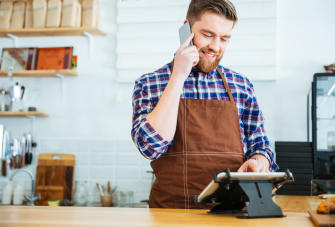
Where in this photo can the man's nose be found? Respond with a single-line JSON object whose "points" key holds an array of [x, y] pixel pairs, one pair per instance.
{"points": [[215, 44]]}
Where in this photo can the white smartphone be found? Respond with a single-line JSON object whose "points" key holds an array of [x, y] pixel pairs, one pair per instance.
{"points": [[184, 32]]}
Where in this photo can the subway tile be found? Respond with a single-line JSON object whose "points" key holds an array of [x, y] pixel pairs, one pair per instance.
{"points": [[101, 172], [129, 172], [81, 172], [126, 159], [104, 158]]}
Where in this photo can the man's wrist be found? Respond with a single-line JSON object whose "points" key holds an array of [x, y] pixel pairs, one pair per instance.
{"points": [[177, 81]]}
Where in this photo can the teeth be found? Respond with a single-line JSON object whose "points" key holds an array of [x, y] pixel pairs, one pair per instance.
{"points": [[209, 55]]}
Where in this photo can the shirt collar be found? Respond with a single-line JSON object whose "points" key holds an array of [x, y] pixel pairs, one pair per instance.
{"points": [[195, 71]]}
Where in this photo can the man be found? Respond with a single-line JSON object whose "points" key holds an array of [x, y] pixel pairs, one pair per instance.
{"points": [[193, 117]]}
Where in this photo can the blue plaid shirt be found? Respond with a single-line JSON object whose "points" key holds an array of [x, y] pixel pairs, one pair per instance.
{"points": [[198, 85]]}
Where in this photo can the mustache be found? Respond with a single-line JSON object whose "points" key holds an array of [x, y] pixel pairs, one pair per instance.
{"points": [[210, 51]]}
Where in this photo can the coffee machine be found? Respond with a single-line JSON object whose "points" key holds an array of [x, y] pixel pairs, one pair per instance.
{"points": [[11, 99], [12, 96]]}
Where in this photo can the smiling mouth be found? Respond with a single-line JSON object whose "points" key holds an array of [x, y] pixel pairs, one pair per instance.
{"points": [[209, 56]]}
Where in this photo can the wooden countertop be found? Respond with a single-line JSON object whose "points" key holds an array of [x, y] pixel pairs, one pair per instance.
{"points": [[295, 207]]}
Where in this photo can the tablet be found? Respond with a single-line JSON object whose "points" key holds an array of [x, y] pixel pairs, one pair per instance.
{"points": [[277, 178]]}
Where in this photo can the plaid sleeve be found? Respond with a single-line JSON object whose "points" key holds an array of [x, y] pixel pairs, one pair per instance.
{"points": [[148, 141], [253, 121]]}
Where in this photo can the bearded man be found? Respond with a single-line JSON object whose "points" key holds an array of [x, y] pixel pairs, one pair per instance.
{"points": [[194, 117]]}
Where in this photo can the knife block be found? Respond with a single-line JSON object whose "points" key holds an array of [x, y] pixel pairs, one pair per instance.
{"points": [[54, 177]]}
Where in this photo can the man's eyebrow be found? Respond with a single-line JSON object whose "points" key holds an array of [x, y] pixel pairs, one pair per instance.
{"points": [[213, 33]]}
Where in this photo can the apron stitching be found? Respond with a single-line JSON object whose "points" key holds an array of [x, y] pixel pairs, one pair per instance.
{"points": [[186, 172], [232, 101], [186, 153], [184, 160]]}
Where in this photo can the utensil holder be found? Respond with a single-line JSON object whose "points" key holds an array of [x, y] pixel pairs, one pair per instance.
{"points": [[106, 200]]}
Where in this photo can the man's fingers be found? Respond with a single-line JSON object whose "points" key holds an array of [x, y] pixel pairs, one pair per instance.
{"points": [[192, 53], [242, 168], [190, 50], [187, 40], [253, 165]]}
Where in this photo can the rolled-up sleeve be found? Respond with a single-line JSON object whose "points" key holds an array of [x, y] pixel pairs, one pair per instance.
{"points": [[253, 121], [148, 141]]}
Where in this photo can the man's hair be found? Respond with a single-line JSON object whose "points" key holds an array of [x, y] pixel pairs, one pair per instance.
{"points": [[221, 7]]}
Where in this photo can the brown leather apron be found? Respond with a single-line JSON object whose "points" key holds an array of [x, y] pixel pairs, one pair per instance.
{"points": [[207, 141]]}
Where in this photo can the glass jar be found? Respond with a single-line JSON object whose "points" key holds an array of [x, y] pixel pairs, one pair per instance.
{"points": [[81, 193], [331, 140]]}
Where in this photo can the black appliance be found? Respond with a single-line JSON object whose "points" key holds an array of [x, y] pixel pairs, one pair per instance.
{"points": [[321, 124]]}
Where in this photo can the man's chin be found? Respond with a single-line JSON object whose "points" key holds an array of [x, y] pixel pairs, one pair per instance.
{"points": [[206, 67]]}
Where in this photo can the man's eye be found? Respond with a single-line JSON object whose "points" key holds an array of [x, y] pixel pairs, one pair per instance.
{"points": [[207, 36]]}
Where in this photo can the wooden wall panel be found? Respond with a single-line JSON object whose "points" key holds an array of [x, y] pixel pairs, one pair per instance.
{"points": [[148, 37]]}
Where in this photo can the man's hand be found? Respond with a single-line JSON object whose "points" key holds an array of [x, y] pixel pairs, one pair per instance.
{"points": [[257, 163], [186, 57]]}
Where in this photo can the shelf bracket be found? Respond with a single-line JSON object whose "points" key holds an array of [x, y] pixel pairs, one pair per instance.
{"points": [[89, 38], [61, 77], [13, 38]]}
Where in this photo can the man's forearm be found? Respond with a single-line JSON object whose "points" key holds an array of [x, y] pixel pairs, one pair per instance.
{"points": [[163, 118]]}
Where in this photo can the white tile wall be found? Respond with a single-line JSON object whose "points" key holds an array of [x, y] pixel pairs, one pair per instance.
{"points": [[92, 119]]}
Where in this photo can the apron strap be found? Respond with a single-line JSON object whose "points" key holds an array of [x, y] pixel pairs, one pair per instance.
{"points": [[226, 85]]}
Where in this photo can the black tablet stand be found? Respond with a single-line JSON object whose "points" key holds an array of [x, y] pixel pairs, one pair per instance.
{"points": [[256, 195]]}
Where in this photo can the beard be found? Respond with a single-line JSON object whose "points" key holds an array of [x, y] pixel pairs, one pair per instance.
{"points": [[205, 65]]}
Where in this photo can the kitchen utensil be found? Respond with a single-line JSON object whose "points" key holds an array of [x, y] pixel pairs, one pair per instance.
{"points": [[16, 93], [14, 160], [4, 149], [106, 200], [54, 170], [100, 189], [28, 149], [108, 187], [22, 150], [4, 100]]}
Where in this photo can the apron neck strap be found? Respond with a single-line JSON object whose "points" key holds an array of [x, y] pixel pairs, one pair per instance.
{"points": [[224, 82], [226, 85]]}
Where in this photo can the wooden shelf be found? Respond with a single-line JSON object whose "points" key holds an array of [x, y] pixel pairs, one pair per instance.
{"points": [[32, 32], [41, 73], [23, 114]]}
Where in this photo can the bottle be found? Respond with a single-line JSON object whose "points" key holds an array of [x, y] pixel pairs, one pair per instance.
{"points": [[7, 194], [18, 195]]}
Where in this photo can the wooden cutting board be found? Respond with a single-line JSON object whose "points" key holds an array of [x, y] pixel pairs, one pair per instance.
{"points": [[54, 177], [322, 220]]}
